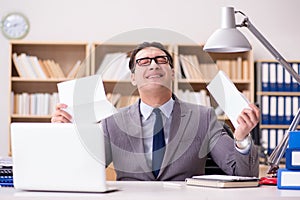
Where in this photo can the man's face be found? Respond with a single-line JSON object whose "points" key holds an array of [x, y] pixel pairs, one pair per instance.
{"points": [[154, 73]]}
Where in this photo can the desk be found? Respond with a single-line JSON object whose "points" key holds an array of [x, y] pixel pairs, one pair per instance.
{"points": [[159, 191]]}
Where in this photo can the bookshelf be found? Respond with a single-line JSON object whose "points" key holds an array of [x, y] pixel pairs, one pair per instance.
{"points": [[66, 54], [278, 95], [33, 96], [238, 66]]}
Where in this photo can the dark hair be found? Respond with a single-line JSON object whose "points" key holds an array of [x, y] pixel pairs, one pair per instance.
{"points": [[145, 45]]}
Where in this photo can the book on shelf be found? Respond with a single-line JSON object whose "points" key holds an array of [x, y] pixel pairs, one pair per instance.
{"points": [[44, 68], [37, 67], [73, 73], [190, 66], [275, 78], [28, 66], [270, 138], [223, 181], [113, 98], [18, 66], [199, 98], [33, 103], [237, 69], [225, 66], [114, 67], [56, 69]]}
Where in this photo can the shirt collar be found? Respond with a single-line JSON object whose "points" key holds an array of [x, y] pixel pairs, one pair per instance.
{"points": [[166, 108]]}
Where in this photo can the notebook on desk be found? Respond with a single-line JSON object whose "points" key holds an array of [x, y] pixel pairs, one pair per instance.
{"points": [[58, 157]]}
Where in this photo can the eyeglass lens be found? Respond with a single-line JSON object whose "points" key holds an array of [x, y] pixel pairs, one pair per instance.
{"points": [[147, 61]]}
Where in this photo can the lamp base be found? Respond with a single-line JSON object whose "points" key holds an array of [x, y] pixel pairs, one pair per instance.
{"points": [[273, 170], [268, 180]]}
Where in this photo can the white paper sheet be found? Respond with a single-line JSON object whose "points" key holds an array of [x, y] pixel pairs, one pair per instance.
{"points": [[228, 97], [86, 99]]}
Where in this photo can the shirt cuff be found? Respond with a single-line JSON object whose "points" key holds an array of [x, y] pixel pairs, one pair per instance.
{"points": [[245, 150]]}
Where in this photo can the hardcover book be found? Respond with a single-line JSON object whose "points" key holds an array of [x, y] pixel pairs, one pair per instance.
{"points": [[223, 181]]}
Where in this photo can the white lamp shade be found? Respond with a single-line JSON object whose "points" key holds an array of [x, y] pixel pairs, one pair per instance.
{"points": [[227, 40]]}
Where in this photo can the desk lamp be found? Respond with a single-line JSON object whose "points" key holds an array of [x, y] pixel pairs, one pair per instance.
{"points": [[228, 39]]}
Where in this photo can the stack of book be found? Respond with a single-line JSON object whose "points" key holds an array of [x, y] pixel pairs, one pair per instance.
{"points": [[33, 103], [114, 67], [6, 174], [195, 97], [191, 68], [28, 66], [222, 181], [289, 177]]}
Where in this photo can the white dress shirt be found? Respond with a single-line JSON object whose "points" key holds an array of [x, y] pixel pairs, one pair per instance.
{"points": [[148, 119]]}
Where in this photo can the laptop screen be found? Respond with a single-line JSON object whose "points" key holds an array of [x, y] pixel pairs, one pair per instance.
{"points": [[58, 157]]}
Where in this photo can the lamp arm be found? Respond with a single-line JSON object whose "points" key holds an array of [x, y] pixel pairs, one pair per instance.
{"points": [[279, 150], [271, 49]]}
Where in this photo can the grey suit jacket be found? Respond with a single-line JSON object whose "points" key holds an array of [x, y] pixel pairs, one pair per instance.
{"points": [[195, 131]]}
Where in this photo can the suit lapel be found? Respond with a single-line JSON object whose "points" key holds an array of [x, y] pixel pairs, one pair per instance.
{"points": [[135, 135], [180, 119]]}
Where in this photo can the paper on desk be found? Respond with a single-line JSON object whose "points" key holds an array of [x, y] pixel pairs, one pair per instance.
{"points": [[230, 100], [86, 99]]}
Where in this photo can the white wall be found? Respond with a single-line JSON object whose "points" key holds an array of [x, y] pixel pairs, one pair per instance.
{"points": [[99, 20]]}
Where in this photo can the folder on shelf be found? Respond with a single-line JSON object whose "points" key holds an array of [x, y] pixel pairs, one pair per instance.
{"points": [[230, 100], [273, 110], [287, 81], [272, 139], [280, 76], [265, 139], [295, 105], [272, 78], [294, 81], [288, 110], [265, 76], [280, 134], [280, 108], [265, 109]]}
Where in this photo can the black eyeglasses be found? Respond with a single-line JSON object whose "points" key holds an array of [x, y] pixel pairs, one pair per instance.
{"points": [[143, 62]]}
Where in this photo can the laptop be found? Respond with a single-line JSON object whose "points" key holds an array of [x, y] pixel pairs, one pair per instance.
{"points": [[58, 157]]}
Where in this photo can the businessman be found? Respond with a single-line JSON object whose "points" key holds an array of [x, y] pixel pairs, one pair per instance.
{"points": [[163, 138]]}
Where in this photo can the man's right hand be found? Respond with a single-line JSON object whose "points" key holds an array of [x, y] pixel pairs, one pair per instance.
{"points": [[61, 116]]}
